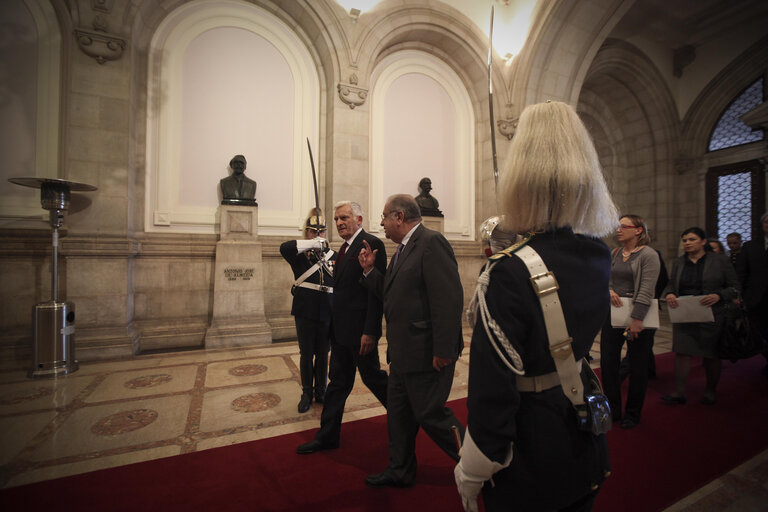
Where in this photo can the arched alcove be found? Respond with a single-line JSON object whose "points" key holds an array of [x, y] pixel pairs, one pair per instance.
{"points": [[419, 107], [29, 145], [228, 78], [624, 93]]}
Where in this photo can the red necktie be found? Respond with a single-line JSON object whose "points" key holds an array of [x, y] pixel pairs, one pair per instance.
{"points": [[342, 252]]}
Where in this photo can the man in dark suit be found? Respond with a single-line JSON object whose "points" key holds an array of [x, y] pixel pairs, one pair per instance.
{"points": [[733, 240], [752, 269], [423, 302], [355, 328]]}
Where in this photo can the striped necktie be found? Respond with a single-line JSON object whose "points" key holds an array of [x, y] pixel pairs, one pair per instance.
{"points": [[394, 258]]}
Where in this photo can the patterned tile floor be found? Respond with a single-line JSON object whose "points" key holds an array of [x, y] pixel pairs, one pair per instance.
{"points": [[117, 412]]}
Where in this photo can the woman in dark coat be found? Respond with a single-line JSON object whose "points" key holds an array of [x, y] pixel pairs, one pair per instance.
{"points": [[527, 441], [699, 272]]}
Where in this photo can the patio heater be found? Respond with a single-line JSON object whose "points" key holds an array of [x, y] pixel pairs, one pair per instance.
{"points": [[54, 320]]}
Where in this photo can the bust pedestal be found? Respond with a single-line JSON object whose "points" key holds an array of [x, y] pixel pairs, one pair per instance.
{"points": [[238, 289], [436, 223]]}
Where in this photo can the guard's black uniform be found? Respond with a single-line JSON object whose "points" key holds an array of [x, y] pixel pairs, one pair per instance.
{"points": [[555, 465], [312, 312]]}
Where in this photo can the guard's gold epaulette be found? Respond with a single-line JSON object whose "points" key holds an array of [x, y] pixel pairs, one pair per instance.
{"points": [[509, 251]]}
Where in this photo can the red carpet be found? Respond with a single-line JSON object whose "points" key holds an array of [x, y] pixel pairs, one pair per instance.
{"points": [[673, 452]]}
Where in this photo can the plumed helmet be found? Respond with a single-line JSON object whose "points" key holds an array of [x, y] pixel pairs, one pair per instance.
{"points": [[315, 220]]}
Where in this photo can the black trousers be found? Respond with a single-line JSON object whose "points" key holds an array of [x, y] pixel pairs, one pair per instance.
{"points": [[344, 361], [638, 350], [314, 342], [418, 400]]}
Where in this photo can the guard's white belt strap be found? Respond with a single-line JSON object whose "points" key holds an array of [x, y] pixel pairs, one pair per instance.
{"points": [[540, 382], [545, 285], [313, 286]]}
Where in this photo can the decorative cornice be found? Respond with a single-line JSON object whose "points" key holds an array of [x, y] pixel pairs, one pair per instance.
{"points": [[100, 45], [507, 127], [352, 95]]}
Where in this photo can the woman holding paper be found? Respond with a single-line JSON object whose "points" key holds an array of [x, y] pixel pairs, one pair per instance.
{"points": [[634, 270], [712, 279]]}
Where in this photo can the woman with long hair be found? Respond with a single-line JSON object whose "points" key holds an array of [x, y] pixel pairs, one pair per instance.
{"points": [[634, 271], [522, 428], [699, 272], [716, 246]]}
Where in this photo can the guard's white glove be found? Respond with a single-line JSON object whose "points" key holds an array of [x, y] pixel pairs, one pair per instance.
{"points": [[473, 469], [308, 245]]}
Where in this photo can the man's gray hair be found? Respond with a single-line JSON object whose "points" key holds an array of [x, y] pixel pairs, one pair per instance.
{"points": [[357, 210], [404, 203]]}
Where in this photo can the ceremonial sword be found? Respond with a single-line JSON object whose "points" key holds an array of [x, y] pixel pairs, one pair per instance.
{"points": [[320, 257], [490, 102]]}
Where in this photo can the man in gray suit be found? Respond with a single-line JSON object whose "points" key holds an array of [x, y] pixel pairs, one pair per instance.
{"points": [[423, 302]]}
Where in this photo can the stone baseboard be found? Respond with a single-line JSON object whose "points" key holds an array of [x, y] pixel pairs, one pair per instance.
{"points": [[238, 334], [283, 328], [97, 343], [158, 335]]}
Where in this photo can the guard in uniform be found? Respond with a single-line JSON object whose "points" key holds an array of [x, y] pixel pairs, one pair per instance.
{"points": [[312, 263]]}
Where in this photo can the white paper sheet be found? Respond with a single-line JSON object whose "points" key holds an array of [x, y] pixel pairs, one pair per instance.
{"points": [[620, 317], [690, 309]]}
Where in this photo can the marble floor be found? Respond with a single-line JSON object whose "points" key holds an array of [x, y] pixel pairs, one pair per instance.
{"points": [[117, 412]]}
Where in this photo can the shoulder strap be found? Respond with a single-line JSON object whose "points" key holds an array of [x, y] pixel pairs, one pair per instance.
{"points": [[545, 286], [314, 268], [509, 251]]}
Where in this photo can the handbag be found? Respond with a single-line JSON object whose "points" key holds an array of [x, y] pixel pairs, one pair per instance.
{"points": [[739, 338]]}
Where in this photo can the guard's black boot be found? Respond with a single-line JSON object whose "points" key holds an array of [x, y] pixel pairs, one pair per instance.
{"points": [[304, 403], [305, 372]]}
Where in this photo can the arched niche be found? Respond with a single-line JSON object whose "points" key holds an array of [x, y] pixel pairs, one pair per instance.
{"points": [[228, 78], [30, 71], [418, 106]]}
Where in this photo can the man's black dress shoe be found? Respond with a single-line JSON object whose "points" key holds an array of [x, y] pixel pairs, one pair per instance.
{"points": [[315, 446], [629, 423], [708, 401], [320, 398], [304, 403], [386, 479], [672, 399]]}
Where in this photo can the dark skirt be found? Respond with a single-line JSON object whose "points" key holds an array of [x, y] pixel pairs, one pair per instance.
{"points": [[699, 338]]}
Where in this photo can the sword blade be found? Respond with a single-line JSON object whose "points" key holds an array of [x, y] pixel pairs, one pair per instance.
{"points": [[490, 103], [314, 178]]}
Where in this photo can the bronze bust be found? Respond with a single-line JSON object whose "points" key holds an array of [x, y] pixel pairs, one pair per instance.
{"points": [[427, 203], [238, 189]]}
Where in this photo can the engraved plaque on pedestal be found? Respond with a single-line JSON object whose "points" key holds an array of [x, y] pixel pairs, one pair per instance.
{"points": [[238, 290]]}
